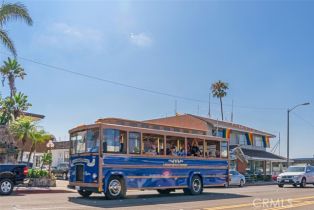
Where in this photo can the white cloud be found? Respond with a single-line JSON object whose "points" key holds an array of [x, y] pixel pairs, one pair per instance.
{"points": [[63, 35], [140, 39]]}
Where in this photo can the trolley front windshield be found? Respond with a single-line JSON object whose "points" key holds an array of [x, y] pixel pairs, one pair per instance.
{"points": [[85, 141]]}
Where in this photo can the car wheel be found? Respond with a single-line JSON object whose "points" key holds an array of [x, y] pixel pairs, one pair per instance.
{"points": [[280, 185], [164, 191], [241, 183], [294, 185], [84, 193], [115, 188], [6, 187], [303, 183]]}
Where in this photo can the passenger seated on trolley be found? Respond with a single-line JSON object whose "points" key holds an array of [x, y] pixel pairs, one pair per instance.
{"points": [[174, 151], [152, 150], [195, 150]]}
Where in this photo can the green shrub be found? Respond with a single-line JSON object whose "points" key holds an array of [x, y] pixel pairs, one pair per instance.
{"points": [[37, 173]]}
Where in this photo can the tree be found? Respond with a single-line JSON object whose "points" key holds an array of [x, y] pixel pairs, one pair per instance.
{"points": [[46, 159], [22, 129], [37, 136], [219, 90], [10, 71], [9, 12], [12, 108]]}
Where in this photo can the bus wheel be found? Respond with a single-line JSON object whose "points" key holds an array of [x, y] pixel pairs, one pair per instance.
{"points": [[196, 186], [84, 193], [164, 191], [115, 188]]}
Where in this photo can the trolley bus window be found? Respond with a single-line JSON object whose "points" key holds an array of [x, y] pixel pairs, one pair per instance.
{"points": [[114, 141], [224, 149], [134, 143], [78, 142], [85, 141], [92, 140]]}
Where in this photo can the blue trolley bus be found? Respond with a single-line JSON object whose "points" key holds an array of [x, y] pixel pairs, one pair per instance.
{"points": [[115, 155]]}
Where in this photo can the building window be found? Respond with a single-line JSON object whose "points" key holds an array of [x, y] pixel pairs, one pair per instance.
{"points": [[242, 139], [258, 141], [66, 156], [218, 133], [234, 139]]}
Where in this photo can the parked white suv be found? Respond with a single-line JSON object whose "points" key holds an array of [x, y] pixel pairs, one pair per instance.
{"points": [[297, 175]]}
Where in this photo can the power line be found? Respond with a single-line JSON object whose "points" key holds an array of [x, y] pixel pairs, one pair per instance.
{"points": [[61, 69], [304, 120]]}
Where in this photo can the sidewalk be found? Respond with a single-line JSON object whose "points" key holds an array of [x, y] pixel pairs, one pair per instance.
{"points": [[61, 188], [260, 183]]}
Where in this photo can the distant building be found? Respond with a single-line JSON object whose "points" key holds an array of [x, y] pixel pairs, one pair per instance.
{"points": [[60, 152], [251, 142], [297, 161], [10, 148]]}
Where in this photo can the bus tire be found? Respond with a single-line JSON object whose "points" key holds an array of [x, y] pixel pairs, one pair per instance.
{"points": [[84, 193], [115, 188], [196, 186], [164, 191]]}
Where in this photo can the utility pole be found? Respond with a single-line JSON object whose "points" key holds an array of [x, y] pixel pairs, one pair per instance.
{"points": [[288, 128], [232, 112], [279, 143]]}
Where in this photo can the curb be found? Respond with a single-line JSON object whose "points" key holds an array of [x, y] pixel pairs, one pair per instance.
{"points": [[260, 183], [37, 190]]}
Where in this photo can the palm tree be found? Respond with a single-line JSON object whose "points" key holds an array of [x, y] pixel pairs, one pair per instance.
{"points": [[22, 129], [10, 71], [37, 136], [12, 108], [8, 12], [219, 90], [20, 104]]}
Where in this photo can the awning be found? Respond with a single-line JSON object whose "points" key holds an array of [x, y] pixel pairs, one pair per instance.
{"points": [[255, 154]]}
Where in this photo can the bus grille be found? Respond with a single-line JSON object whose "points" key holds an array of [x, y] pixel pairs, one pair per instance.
{"points": [[79, 173]]}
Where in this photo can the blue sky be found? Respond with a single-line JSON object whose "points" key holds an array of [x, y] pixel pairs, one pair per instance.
{"points": [[263, 49]]}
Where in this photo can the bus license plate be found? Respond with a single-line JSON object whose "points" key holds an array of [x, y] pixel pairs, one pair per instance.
{"points": [[77, 187]]}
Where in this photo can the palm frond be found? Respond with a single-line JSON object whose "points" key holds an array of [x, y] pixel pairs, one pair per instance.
{"points": [[5, 39], [16, 11]]}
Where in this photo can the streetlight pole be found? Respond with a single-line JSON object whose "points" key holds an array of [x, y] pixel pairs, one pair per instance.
{"points": [[288, 130]]}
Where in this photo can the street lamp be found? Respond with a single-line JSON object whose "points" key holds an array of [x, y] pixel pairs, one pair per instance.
{"points": [[288, 126]]}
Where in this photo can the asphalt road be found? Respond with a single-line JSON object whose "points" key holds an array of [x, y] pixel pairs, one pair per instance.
{"points": [[251, 197]]}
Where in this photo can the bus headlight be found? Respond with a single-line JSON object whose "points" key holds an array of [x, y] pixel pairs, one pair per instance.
{"points": [[94, 176]]}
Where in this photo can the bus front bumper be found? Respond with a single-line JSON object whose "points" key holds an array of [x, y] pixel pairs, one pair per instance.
{"points": [[93, 187]]}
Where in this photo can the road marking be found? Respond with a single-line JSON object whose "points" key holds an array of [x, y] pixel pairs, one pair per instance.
{"points": [[261, 203], [304, 203]]}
